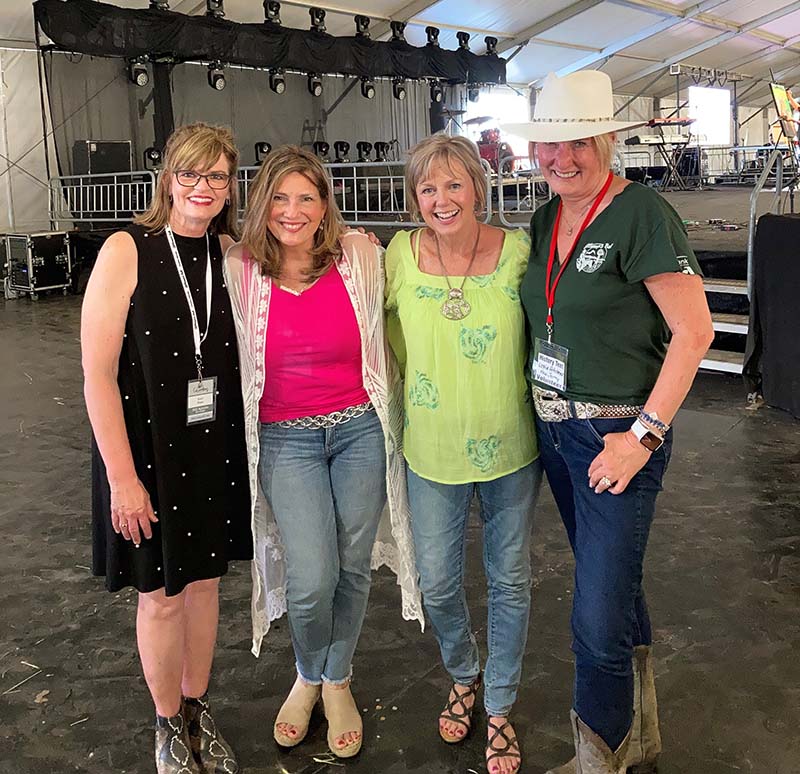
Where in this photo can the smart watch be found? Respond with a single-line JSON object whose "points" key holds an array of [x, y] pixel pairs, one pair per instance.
{"points": [[646, 436]]}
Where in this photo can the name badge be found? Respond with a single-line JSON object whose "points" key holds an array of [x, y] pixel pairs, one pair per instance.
{"points": [[549, 366], [201, 400]]}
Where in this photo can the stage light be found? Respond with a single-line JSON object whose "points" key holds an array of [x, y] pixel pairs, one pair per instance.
{"points": [[398, 30], [364, 149], [437, 93], [433, 35], [399, 88], [367, 88], [159, 5], [262, 149], [276, 81], [362, 26], [215, 8], [216, 76], [491, 45], [137, 72], [463, 40], [473, 93], [272, 12], [341, 148], [152, 157], [314, 85], [317, 19], [381, 151], [321, 149]]}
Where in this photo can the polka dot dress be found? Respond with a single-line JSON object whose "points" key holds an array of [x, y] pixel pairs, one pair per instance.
{"points": [[196, 476]]}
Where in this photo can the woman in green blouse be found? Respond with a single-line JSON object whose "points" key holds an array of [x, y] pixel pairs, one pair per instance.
{"points": [[457, 328]]}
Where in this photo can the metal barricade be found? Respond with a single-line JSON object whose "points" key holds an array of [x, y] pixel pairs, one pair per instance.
{"points": [[519, 191], [105, 198], [370, 194]]}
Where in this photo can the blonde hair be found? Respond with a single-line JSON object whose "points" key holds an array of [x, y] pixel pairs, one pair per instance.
{"points": [[261, 243], [443, 149], [605, 145], [195, 146]]}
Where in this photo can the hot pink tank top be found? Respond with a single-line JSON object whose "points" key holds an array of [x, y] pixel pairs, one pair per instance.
{"points": [[313, 352]]}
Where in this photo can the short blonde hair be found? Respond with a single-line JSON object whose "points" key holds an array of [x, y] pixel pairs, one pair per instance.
{"points": [[443, 149], [260, 242], [606, 145], [196, 146]]}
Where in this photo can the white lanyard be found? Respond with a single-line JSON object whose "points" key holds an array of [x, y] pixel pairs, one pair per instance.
{"points": [[198, 339]]}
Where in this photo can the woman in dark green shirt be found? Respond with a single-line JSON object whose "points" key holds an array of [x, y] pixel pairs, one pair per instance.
{"points": [[611, 281]]}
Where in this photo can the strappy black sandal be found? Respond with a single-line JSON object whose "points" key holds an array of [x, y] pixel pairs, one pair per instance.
{"points": [[456, 711], [510, 748]]}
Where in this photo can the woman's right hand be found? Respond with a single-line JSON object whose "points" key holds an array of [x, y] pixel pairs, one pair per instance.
{"points": [[131, 511]]}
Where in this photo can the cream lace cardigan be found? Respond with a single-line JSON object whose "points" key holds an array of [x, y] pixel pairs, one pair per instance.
{"points": [[361, 268]]}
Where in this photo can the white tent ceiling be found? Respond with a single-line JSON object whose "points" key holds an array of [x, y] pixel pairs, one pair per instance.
{"points": [[635, 41]]}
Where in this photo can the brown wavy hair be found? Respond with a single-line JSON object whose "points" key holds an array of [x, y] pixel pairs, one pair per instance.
{"points": [[195, 146], [260, 242], [443, 149]]}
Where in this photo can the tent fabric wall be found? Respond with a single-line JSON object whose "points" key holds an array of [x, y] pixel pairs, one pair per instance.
{"points": [[23, 176]]}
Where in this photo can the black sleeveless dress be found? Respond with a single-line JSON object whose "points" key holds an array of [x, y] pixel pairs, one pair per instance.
{"points": [[196, 475]]}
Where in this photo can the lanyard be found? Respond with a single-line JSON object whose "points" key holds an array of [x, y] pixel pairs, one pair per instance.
{"points": [[550, 287], [198, 339]]}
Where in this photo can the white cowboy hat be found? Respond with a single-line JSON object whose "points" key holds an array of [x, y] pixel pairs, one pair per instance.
{"points": [[578, 105]]}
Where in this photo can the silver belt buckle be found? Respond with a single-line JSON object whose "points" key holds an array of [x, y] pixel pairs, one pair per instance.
{"points": [[550, 407]]}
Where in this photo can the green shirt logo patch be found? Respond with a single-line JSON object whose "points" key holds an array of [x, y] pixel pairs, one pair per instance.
{"points": [[593, 256]]}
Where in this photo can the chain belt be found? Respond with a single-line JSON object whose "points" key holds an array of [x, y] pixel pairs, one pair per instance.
{"points": [[551, 407], [321, 421]]}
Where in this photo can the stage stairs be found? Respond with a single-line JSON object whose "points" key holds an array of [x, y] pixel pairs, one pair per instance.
{"points": [[727, 299]]}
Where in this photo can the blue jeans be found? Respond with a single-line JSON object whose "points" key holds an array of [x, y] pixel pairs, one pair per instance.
{"points": [[327, 488], [608, 534], [439, 523]]}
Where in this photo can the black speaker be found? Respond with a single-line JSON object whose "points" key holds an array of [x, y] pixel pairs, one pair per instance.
{"points": [[92, 157]]}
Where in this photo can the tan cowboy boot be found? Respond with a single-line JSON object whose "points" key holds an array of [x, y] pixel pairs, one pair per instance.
{"points": [[173, 754], [209, 748], [645, 744], [592, 754]]}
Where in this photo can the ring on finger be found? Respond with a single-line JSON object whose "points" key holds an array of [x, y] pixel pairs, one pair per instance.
{"points": [[605, 481]]}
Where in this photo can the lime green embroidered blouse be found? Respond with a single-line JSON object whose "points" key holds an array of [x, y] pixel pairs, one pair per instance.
{"points": [[468, 415]]}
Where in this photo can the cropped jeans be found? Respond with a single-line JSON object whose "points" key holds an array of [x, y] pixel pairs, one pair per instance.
{"points": [[608, 534], [327, 489], [439, 522]]}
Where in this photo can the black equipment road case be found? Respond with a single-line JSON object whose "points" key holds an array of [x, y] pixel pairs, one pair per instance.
{"points": [[37, 262]]}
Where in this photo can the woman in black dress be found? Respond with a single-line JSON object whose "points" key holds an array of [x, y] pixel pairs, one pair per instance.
{"points": [[171, 505]]}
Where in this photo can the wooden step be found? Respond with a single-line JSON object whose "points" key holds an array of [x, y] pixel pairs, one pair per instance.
{"points": [[730, 323], [719, 360], [739, 287]]}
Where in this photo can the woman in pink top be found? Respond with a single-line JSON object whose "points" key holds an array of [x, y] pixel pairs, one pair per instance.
{"points": [[323, 418]]}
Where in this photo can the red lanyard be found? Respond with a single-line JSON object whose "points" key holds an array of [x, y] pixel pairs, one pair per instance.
{"points": [[550, 288]]}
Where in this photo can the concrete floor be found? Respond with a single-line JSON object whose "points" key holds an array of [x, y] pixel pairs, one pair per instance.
{"points": [[723, 576]]}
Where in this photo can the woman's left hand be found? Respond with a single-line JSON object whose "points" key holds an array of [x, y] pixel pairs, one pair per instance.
{"points": [[622, 458], [370, 235]]}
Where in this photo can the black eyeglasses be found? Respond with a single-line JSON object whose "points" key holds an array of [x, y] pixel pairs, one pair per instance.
{"points": [[189, 178]]}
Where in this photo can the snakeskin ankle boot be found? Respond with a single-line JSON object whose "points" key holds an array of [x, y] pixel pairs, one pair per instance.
{"points": [[212, 753], [173, 753]]}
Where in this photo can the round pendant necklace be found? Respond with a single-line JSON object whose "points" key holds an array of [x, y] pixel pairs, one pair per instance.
{"points": [[569, 227], [456, 307]]}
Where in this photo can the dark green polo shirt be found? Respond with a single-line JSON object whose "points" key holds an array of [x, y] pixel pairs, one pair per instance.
{"points": [[616, 335]]}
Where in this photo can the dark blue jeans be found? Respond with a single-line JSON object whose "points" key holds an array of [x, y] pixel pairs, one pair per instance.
{"points": [[608, 534]]}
